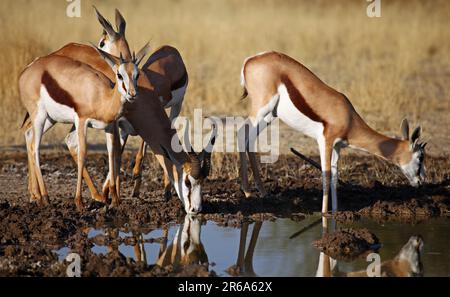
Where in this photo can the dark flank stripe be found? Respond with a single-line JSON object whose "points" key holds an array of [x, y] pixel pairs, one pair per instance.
{"points": [[56, 92], [299, 101]]}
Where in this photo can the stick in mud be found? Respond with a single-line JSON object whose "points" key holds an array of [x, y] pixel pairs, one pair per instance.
{"points": [[311, 161], [305, 158]]}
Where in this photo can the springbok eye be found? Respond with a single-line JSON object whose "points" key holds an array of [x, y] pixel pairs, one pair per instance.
{"points": [[137, 76], [102, 43], [119, 76], [187, 182]]}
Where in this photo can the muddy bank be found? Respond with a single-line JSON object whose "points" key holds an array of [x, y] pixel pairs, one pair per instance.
{"points": [[30, 233], [347, 244]]}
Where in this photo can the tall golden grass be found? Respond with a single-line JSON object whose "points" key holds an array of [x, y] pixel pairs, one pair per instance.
{"points": [[389, 67]]}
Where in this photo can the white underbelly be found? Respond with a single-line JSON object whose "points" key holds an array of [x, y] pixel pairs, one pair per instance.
{"points": [[56, 111], [289, 114]]}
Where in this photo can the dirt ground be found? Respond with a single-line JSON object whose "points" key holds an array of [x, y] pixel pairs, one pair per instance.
{"points": [[347, 244], [29, 233]]}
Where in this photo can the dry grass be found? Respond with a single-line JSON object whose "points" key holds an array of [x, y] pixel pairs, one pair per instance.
{"points": [[394, 66]]}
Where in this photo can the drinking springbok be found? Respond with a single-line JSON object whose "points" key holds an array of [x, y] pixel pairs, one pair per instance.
{"points": [[166, 71], [279, 86], [59, 89]]}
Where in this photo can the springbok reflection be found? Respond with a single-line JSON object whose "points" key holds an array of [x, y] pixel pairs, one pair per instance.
{"points": [[406, 263], [186, 247], [244, 262], [326, 263], [279, 248]]}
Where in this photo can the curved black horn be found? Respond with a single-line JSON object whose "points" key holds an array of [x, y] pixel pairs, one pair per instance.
{"points": [[196, 169]]}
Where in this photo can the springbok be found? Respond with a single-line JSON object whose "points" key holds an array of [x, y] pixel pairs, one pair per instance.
{"points": [[279, 86], [88, 55], [59, 89], [166, 71], [186, 247], [145, 117]]}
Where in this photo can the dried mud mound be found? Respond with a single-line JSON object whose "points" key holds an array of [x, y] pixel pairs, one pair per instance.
{"points": [[347, 244]]}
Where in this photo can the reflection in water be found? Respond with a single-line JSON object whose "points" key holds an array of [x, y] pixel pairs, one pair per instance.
{"points": [[278, 248], [405, 264], [244, 263], [326, 263], [186, 247]]}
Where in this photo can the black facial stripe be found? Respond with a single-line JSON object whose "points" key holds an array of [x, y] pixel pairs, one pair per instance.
{"points": [[187, 182]]}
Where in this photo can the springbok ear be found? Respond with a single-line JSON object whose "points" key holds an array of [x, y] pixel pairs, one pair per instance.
{"points": [[110, 59], [404, 128], [105, 24], [141, 54], [416, 134], [120, 23], [169, 156]]}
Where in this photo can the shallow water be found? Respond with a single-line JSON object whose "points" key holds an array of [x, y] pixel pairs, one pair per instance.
{"points": [[271, 252]]}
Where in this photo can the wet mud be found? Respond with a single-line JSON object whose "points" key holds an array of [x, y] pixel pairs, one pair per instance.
{"points": [[31, 233], [347, 244]]}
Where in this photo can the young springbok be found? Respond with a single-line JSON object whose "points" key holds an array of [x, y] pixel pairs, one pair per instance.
{"points": [[279, 86], [59, 89], [166, 71]]}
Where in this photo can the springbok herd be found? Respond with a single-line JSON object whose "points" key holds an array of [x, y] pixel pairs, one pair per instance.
{"points": [[108, 87]]}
